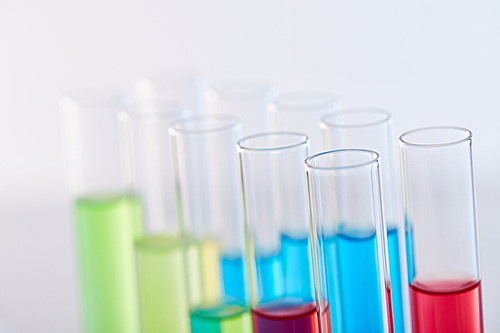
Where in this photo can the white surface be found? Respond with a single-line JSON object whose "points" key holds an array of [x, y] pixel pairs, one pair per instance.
{"points": [[429, 62]]}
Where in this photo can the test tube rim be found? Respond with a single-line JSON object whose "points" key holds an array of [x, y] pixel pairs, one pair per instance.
{"points": [[223, 88], [184, 76], [374, 160], [303, 142], [232, 122], [93, 98], [405, 142], [163, 109], [316, 99], [386, 117]]}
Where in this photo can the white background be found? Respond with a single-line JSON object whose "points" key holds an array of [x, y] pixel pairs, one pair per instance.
{"points": [[429, 62]]}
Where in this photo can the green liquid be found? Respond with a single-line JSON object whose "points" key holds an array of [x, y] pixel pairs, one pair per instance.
{"points": [[221, 319], [106, 229], [162, 285]]}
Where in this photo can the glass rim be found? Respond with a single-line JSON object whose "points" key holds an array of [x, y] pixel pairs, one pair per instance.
{"points": [[184, 76], [314, 99], [165, 109], [304, 141], [229, 123], [171, 74], [94, 97], [228, 88], [403, 138], [374, 160], [386, 116]]}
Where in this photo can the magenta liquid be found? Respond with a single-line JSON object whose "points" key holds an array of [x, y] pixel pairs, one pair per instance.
{"points": [[289, 318]]}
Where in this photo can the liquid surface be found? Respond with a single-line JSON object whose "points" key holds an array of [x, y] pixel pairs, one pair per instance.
{"points": [[223, 318], [162, 285], [285, 317], [106, 229], [353, 283], [446, 306]]}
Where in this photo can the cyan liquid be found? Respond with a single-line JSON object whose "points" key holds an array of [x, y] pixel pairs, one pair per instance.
{"points": [[352, 274], [297, 268], [409, 255], [270, 277], [396, 288], [287, 273], [233, 276]]}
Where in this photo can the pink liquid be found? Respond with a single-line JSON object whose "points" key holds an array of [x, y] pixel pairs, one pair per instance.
{"points": [[302, 318], [446, 306], [390, 317]]}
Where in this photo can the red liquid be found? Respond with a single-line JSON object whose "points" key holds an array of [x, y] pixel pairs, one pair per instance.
{"points": [[302, 318], [390, 316], [447, 306]]}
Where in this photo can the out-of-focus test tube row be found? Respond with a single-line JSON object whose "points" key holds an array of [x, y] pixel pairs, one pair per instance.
{"points": [[231, 208]]}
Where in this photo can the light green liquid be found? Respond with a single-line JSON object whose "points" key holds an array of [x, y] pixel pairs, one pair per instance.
{"points": [[221, 319], [106, 229], [162, 285]]}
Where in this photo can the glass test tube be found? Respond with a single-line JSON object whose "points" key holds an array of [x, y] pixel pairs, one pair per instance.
{"points": [[279, 256], [246, 99], [443, 258], [185, 87], [350, 239], [160, 263], [108, 217], [209, 191], [301, 112], [371, 128]]}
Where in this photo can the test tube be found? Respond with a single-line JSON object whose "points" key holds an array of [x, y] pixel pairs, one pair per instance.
{"points": [[107, 215], [349, 235], [443, 258], [301, 112], [186, 87], [246, 99], [278, 242], [160, 263], [371, 128], [209, 191]]}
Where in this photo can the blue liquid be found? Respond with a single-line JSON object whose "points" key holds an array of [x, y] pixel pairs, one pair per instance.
{"points": [[396, 288], [270, 276], [287, 273], [409, 255], [352, 273], [330, 255], [297, 268], [233, 277]]}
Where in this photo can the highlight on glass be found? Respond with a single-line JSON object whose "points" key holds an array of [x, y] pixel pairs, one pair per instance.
{"points": [[301, 112], [160, 263], [246, 99], [443, 247], [108, 217], [350, 239], [184, 86], [209, 194], [278, 243], [371, 128]]}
